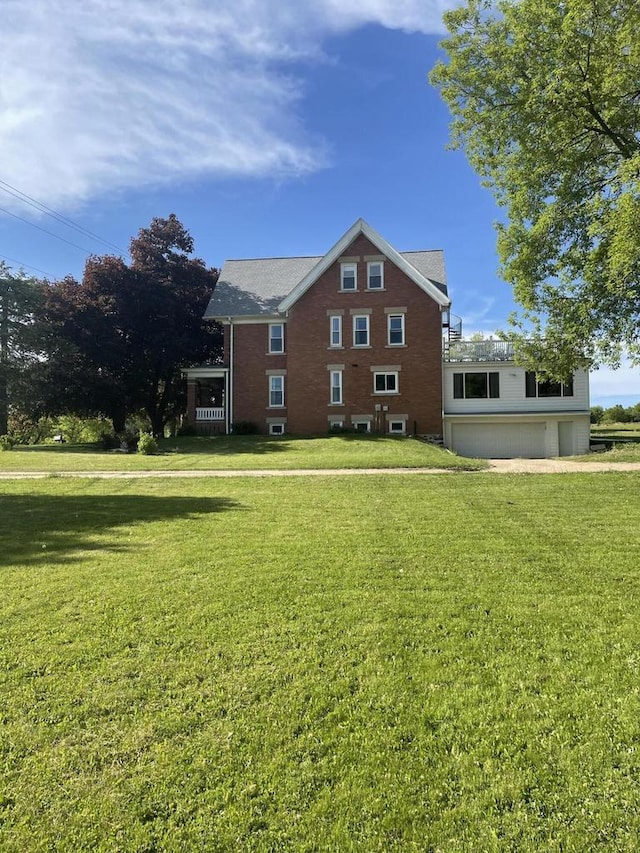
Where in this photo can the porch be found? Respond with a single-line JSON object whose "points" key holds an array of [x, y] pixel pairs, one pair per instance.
{"points": [[207, 399]]}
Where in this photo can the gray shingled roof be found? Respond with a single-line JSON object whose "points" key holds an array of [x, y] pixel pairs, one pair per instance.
{"points": [[258, 285]]}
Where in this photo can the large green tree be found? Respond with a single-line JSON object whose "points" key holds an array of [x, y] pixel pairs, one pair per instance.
{"points": [[545, 96], [119, 337], [20, 347]]}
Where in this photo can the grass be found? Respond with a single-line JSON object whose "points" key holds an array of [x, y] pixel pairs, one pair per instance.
{"points": [[625, 438], [243, 453], [412, 663]]}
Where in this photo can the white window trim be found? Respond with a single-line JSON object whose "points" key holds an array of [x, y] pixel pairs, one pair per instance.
{"points": [[403, 341], [271, 339], [337, 317], [347, 267], [374, 264], [361, 419], [365, 317], [333, 387], [273, 390], [395, 373], [397, 419], [277, 428]]}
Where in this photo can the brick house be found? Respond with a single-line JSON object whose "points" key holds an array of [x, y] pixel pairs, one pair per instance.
{"points": [[360, 337]]}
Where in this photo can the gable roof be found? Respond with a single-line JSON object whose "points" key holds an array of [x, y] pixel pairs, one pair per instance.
{"points": [[256, 285], [268, 286]]}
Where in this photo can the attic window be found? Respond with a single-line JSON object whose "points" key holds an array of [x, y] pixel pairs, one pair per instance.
{"points": [[348, 276], [375, 275]]}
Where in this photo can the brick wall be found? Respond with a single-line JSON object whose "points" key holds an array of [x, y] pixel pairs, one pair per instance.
{"points": [[308, 355]]}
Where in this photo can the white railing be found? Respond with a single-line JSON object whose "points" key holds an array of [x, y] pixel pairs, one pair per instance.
{"points": [[210, 413]]}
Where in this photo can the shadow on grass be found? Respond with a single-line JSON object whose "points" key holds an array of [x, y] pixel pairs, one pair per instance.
{"points": [[39, 528], [225, 445]]}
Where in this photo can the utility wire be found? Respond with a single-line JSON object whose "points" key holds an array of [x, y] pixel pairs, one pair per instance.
{"points": [[29, 266], [46, 231], [64, 220]]}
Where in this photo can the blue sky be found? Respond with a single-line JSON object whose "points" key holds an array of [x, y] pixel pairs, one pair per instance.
{"points": [[267, 126]]}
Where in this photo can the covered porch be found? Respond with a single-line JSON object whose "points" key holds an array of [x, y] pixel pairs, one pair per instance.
{"points": [[207, 399]]}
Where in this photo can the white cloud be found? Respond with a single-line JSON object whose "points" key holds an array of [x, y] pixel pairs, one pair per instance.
{"points": [[104, 94]]}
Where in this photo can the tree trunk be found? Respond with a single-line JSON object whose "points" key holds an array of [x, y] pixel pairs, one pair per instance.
{"points": [[157, 425], [119, 421]]}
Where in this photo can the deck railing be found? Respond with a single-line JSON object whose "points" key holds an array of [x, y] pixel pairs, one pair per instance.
{"points": [[210, 413], [479, 351]]}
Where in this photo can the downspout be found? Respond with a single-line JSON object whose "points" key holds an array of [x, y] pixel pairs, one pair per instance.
{"points": [[230, 390]]}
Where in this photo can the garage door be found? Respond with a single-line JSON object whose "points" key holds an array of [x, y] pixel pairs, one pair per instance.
{"points": [[499, 441]]}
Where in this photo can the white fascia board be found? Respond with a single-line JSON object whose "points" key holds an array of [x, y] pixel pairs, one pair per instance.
{"points": [[362, 227], [212, 372], [247, 319], [524, 416]]}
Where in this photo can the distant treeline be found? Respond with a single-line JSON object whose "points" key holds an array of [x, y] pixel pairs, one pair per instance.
{"points": [[615, 415]]}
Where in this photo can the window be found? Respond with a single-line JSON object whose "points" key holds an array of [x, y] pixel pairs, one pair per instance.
{"points": [[533, 388], [276, 391], [361, 330], [397, 427], [375, 275], [361, 425], [276, 337], [385, 383], [395, 330], [476, 386], [276, 429], [336, 424], [336, 386], [348, 276], [335, 330]]}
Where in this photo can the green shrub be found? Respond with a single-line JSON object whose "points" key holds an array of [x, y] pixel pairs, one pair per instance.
{"points": [[147, 444], [6, 442]]}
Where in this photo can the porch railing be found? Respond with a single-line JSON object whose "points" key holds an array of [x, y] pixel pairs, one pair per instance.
{"points": [[210, 413], [479, 351]]}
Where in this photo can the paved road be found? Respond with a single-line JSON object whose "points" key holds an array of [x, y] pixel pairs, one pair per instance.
{"points": [[496, 466]]}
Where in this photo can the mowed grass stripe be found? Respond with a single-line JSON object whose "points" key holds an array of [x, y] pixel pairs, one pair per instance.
{"points": [[391, 663], [242, 453]]}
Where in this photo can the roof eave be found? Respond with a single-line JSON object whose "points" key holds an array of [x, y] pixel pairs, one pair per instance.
{"points": [[362, 227]]}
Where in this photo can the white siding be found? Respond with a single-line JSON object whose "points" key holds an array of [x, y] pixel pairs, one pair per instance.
{"points": [[512, 392], [509, 436]]}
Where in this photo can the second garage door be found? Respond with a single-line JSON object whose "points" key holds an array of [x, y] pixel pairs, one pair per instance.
{"points": [[499, 440]]}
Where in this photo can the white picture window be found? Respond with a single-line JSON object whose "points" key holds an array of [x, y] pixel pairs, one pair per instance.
{"points": [[335, 330], [385, 383], [361, 330], [336, 386], [375, 275], [348, 276], [276, 429], [395, 330], [276, 391], [276, 337]]}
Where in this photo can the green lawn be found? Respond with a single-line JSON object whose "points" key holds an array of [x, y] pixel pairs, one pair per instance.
{"points": [[242, 453], [412, 663], [626, 438]]}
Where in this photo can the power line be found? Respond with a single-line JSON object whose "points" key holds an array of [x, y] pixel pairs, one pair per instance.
{"points": [[54, 214], [46, 231], [29, 266]]}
